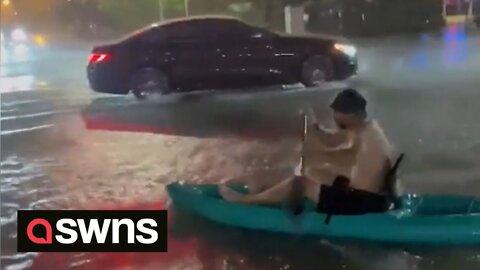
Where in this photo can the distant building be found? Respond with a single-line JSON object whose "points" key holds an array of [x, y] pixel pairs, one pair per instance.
{"points": [[461, 11], [374, 17]]}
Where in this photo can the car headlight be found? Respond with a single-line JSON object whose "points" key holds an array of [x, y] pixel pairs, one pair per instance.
{"points": [[349, 50], [19, 35]]}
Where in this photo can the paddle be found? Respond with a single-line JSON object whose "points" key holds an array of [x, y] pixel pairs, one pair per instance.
{"points": [[296, 200]]}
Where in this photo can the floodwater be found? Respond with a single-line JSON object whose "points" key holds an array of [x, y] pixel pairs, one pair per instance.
{"points": [[64, 147]]}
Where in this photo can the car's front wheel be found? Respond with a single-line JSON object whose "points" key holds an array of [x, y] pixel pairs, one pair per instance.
{"points": [[316, 70], [148, 81]]}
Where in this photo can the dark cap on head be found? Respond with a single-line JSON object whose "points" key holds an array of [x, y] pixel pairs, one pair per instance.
{"points": [[349, 101]]}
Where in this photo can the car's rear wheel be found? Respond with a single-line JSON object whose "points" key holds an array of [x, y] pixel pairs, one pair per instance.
{"points": [[148, 81], [316, 70]]}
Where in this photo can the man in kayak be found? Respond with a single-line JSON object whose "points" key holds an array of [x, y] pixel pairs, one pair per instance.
{"points": [[357, 150]]}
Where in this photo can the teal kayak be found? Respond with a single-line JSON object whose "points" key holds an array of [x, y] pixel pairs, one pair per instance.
{"points": [[429, 219]]}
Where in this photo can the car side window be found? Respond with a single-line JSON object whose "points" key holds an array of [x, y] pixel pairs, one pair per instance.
{"points": [[205, 30], [184, 31], [234, 30], [213, 29], [153, 35], [251, 32], [172, 33], [257, 33]]}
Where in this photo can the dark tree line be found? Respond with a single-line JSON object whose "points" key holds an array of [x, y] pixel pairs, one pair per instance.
{"points": [[351, 17], [376, 17]]}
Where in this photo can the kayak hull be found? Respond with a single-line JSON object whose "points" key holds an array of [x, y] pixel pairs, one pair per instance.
{"points": [[437, 220]]}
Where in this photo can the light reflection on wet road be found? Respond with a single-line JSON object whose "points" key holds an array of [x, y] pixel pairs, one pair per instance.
{"points": [[64, 147]]}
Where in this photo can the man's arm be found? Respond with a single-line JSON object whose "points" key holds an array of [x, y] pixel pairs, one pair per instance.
{"points": [[330, 140]]}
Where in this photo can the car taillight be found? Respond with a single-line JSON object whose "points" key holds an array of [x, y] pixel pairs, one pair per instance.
{"points": [[98, 57]]}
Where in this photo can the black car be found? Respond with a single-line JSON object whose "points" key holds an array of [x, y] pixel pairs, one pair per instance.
{"points": [[214, 52]]}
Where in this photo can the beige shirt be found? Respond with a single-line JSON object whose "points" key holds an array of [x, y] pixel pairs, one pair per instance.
{"points": [[363, 156]]}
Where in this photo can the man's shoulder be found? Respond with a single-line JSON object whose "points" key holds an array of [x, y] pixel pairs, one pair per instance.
{"points": [[374, 125], [374, 132]]}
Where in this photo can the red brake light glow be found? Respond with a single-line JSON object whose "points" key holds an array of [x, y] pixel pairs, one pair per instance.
{"points": [[98, 57]]}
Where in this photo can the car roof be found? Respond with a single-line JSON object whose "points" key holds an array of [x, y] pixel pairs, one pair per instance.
{"points": [[200, 18], [180, 20], [194, 19]]}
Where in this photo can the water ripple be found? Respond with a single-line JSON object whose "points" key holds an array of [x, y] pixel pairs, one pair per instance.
{"points": [[17, 256], [21, 130], [25, 264], [23, 185], [32, 115], [11, 218]]}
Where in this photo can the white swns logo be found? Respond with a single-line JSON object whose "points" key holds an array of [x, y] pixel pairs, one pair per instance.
{"points": [[92, 231], [100, 233]]}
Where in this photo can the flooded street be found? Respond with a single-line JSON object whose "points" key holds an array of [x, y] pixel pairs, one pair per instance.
{"points": [[65, 147]]}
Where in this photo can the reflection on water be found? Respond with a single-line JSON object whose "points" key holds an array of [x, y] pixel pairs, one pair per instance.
{"points": [[182, 253], [456, 49], [420, 58], [195, 243], [23, 185]]}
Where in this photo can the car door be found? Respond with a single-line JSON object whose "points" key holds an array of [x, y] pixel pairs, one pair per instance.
{"points": [[186, 53], [224, 53], [262, 60], [243, 58], [259, 49]]}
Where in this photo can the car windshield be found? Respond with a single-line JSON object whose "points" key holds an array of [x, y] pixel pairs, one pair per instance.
{"points": [[240, 134]]}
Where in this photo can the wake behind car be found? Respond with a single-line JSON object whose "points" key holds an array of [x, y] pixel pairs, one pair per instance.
{"points": [[214, 53]]}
